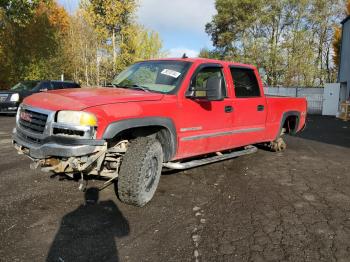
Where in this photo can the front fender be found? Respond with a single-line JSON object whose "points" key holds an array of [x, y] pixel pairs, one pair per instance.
{"points": [[115, 128]]}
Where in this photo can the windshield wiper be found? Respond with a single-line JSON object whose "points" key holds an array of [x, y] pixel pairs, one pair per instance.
{"points": [[139, 87], [134, 86], [118, 85]]}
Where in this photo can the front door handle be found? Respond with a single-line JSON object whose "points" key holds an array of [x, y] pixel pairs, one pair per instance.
{"points": [[260, 108], [228, 109]]}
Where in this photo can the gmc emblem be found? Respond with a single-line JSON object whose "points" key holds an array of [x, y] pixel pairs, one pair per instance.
{"points": [[25, 116]]}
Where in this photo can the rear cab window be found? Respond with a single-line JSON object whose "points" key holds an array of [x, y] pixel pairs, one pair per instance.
{"points": [[245, 82]]}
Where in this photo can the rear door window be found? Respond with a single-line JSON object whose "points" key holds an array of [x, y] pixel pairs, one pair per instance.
{"points": [[245, 82]]}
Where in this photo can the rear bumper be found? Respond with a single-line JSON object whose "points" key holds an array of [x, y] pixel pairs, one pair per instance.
{"points": [[64, 148], [9, 107]]}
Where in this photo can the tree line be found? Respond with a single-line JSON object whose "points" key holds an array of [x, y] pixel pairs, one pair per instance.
{"points": [[290, 41], [40, 40]]}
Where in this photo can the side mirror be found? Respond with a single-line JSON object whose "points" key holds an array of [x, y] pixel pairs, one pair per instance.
{"points": [[214, 89]]}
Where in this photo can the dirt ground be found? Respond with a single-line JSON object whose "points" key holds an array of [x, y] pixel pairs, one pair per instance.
{"points": [[290, 206]]}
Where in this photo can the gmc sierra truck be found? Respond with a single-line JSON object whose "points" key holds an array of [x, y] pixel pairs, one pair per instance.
{"points": [[170, 113]]}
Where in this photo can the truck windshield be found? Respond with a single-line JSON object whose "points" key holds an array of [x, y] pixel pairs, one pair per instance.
{"points": [[155, 76], [25, 86]]}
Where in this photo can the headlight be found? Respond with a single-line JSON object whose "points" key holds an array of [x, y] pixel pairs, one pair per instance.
{"points": [[76, 118], [14, 97]]}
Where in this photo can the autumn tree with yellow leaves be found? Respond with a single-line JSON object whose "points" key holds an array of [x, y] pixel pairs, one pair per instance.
{"points": [[40, 40], [120, 41], [31, 37]]}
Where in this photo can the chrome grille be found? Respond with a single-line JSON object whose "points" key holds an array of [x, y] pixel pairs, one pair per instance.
{"points": [[32, 121]]}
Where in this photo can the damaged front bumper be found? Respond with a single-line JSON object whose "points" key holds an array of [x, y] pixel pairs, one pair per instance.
{"points": [[38, 136], [56, 147], [63, 148], [59, 157]]}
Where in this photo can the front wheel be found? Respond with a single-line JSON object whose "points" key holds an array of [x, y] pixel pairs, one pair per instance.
{"points": [[140, 171]]}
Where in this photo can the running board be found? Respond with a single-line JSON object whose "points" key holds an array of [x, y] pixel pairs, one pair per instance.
{"points": [[194, 163]]}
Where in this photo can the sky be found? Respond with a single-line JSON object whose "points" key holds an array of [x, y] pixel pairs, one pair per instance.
{"points": [[180, 23]]}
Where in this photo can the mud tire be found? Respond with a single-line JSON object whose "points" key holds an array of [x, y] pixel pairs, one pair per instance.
{"points": [[140, 171]]}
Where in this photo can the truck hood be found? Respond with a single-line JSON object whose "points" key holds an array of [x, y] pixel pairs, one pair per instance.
{"points": [[82, 98]]}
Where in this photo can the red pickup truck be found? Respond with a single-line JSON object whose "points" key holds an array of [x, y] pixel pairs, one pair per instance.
{"points": [[170, 113]]}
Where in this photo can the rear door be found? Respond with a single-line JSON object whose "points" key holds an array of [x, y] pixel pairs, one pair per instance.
{"points": [[249, 107]]}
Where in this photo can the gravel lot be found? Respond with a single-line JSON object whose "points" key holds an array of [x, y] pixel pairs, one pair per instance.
{"points": [[290, 206]]}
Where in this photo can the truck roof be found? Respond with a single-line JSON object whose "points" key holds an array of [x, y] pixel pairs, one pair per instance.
{"points": [[206, 60]]}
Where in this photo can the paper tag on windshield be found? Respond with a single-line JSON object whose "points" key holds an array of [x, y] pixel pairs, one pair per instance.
{"points": [[172, 73]]}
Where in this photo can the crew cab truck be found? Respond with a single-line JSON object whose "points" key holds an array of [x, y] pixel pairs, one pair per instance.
{"points": [[171, 113]]}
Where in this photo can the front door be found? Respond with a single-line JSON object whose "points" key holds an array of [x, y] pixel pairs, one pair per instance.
{"points": [[203, 122]]}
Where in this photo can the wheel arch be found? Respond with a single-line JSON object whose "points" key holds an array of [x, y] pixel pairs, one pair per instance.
{"points": [[287, 118], [163, 129]]}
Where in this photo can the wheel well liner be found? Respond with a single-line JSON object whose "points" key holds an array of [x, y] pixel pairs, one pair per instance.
{"points": [[118, 127], [285, 116]]}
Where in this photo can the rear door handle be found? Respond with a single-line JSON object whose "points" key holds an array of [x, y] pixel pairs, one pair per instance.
{"points": [[228, 109], [260, 108]]}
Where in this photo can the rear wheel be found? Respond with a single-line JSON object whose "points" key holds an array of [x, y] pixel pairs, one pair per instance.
{"points": [[140, 171], [278, 145]]}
